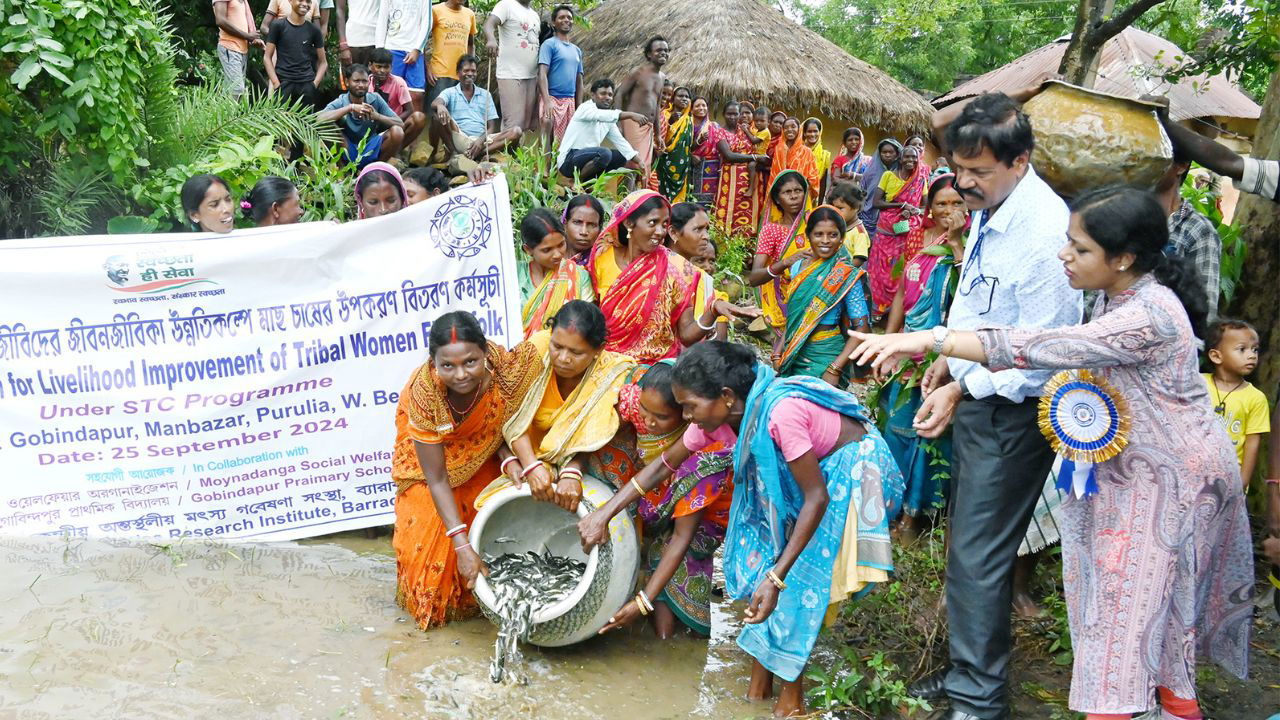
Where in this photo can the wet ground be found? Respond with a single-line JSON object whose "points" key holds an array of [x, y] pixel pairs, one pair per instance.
{"points": [[195, 630]]}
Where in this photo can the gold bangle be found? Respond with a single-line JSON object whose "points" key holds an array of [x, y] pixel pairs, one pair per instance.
{"points": [[636, 485], [773, 578], [640, 604], [645, 597]]}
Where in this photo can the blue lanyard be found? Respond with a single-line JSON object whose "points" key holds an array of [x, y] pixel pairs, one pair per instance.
{"points": [[975, 260]]}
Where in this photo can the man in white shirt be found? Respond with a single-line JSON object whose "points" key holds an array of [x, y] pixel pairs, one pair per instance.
{"points": [[403, 27], [358, 35], [593, 144], [1010, 277], [511, 35]]}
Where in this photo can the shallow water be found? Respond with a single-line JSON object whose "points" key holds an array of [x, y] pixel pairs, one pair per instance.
{"points": [[309, 630]]}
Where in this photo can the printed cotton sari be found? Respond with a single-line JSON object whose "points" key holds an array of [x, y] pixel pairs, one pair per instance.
{"points": [[584, 422], [643, 302], [850, 549], [892, 248], [927, 292], [673, 168], [703, 484], [735, 208], [821, 295], [870, 181], [854, 163], [821, 155], [428, 584], [570, 281], [776, 242], [708, 184]]}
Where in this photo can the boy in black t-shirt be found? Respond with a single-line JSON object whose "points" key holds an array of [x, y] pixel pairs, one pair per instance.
{"points": [[295, 55]]}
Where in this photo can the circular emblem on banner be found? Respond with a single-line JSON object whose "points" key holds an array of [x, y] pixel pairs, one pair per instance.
{"points": [[1084, 417], [461, 227]]}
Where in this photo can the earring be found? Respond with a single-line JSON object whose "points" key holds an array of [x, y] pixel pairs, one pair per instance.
{"points": [[1123, 268]]}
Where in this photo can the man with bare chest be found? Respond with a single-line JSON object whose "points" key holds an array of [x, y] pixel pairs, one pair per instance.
{"points": [[640, 93]]}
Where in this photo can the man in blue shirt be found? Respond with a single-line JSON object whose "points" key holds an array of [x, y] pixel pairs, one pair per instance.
{"points": [[559, 76], [465, 117], [360, 114]]}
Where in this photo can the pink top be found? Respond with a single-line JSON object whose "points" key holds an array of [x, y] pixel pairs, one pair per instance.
{"points": [[395, 92], [797, 426]]}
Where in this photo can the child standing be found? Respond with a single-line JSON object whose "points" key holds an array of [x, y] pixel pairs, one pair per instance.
{"points": [[1233, 350], [847, 198]]}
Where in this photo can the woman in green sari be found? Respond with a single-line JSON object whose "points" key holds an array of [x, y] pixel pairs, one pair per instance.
{"points": [[673, 170], [825, 300]]}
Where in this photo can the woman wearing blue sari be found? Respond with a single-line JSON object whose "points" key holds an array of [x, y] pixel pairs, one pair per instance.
{"points": [[805, 456]]}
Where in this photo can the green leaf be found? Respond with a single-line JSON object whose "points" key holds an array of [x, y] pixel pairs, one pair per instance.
{"points": [[51, 44], [17, 19], [57, 73], [56, 58], [25, 72], [131, 225]]}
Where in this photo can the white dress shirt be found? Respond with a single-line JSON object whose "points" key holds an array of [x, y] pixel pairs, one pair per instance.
{"points": [[593, 127], [1012, 277]]}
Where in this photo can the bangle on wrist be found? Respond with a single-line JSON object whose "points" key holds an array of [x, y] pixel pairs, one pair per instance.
{"points": [[704, 328], [458, 530], [1273, 481], [769, 269], [459, 548], [636, 485], [773, 578], [667, 464], [503, 467], [536, 464]]}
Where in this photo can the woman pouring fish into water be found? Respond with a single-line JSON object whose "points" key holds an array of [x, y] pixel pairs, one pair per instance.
{"points": [[814, 488]]}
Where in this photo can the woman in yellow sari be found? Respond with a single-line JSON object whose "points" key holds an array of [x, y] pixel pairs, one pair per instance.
{"points": [[812, 132], [567, 423], [549, 279], [781, 244], [448, 447]]}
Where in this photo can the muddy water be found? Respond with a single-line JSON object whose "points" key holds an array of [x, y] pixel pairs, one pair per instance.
{"points": [[100, 629]]}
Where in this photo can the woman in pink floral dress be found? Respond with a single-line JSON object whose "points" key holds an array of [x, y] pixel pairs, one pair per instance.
{"points": [[1158, 564]]}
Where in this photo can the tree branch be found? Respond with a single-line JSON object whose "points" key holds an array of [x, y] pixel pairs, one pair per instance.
{"points": [[1124, 19]]}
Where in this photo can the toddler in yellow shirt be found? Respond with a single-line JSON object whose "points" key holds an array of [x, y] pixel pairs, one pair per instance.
{"points": [[1233, 350]]}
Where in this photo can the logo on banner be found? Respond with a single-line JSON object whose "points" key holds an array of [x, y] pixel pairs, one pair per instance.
{"points": [[461, 227], [151, 274]]}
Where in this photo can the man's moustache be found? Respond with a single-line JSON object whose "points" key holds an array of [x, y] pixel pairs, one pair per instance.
{"points": [[976, 194]]}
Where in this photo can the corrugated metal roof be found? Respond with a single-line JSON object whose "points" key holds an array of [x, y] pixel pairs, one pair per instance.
{"points": [[1126, 61]]}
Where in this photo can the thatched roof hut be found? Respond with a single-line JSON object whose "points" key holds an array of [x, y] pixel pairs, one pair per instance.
{"points": [[746, 49]]}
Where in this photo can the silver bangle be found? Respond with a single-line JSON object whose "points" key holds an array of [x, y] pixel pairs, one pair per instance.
{"points": [[769, 269], [702, 327]]}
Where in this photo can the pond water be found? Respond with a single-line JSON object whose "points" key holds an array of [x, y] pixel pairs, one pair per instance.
{"points": [[305, 630]]}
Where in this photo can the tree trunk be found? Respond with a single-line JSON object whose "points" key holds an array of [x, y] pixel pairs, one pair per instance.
{"points": [[1257, 298]]}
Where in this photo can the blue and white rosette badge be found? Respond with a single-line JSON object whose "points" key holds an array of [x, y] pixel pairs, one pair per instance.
{"points": [[1086, 420]]}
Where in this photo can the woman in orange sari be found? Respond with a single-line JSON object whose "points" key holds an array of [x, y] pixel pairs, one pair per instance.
{"points": [[549, 279], [793, 154], [647, 291], [448, 447]]}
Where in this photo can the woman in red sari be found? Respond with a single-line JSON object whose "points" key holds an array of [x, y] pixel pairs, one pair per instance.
{"points": [[646, 291], [793, 154], [735, 203], [899, 199]]}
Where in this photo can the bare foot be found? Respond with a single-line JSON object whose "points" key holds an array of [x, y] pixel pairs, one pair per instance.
{"points": [[761, 687], [790, 700], [1025, 605], [664, 621]]}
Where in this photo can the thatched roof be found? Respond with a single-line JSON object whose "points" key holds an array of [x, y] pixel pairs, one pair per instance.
{"points": [[1126, 68], [746, 49]]}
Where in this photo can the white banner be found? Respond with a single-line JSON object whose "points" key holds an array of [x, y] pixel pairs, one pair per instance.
{"points": [[236, 386]]}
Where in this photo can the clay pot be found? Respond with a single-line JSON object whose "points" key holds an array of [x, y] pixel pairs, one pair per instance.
{"points": [[606, 585], [1085, 139]]}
